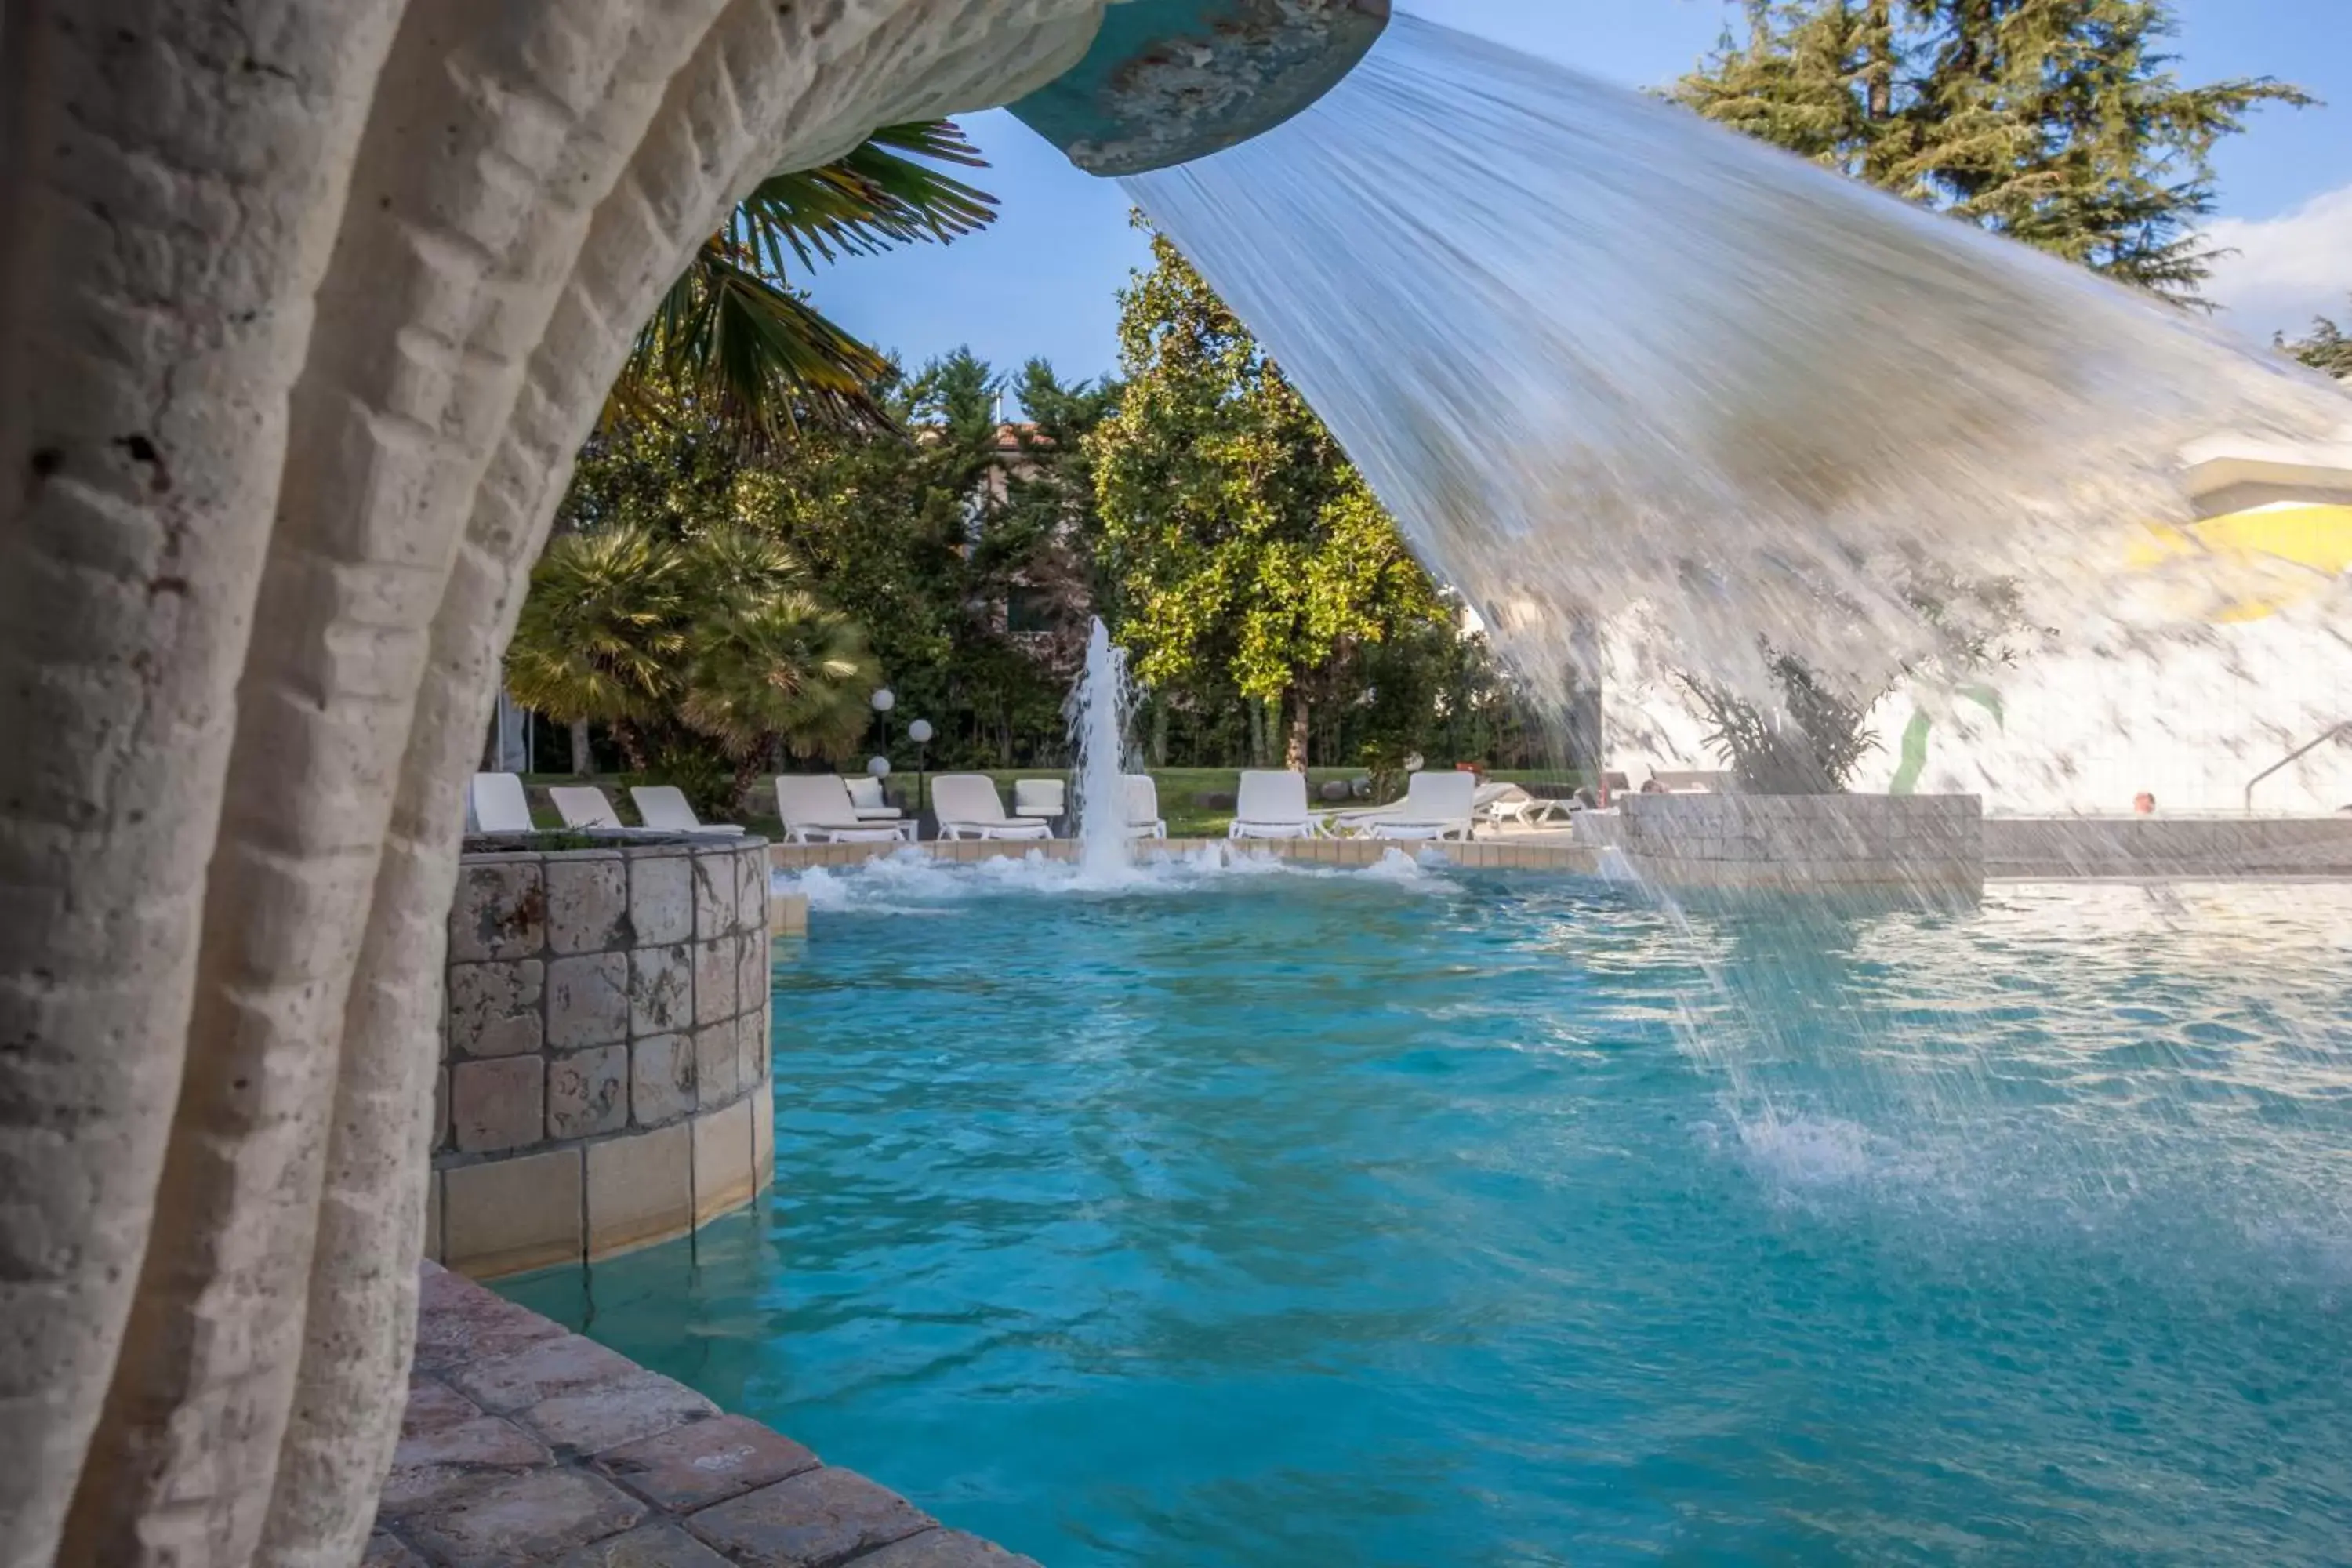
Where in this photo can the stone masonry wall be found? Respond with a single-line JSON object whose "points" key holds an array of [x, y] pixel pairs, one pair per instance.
{"points": [[604, 1079], [2167, 847], [1933, 844]]}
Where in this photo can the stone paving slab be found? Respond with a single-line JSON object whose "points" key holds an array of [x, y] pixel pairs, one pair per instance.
{"points": [[525, 1445]]}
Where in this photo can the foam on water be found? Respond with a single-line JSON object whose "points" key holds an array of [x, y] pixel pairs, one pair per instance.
{"points": [[911, 882], [1613, 367]]}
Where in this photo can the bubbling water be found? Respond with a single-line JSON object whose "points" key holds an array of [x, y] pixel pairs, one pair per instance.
{"points": [[1614, 367]]}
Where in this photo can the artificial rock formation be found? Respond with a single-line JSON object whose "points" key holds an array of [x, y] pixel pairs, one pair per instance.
{"points": [[306, 305]]}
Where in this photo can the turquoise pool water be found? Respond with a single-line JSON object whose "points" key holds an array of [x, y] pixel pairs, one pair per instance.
{"points": [[1434, 1220]]}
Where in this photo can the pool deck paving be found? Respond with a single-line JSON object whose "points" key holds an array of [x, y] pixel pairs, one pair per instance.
{"points": [[524, 1443]]}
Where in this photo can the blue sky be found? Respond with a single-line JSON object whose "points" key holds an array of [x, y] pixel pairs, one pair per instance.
{"points": [[1041, 281]]}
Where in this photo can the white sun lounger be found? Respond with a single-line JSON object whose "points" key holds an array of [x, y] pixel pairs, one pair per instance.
{"points": [[1509, 804], [1272, 804], [1042, 800], [865, 799], [1143, 818], [1435, 806], [665, 806], [583, 806], [815, 809], [498, 805], [969, 807]]}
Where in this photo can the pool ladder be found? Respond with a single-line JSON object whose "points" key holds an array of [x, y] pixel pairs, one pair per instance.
{"points": [[2332, 732]]}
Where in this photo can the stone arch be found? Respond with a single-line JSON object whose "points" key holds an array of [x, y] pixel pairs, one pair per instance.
{"points": [[305, 307]]}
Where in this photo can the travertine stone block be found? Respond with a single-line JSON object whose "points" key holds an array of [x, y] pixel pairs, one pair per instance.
{"points": [[716, 895], [499, 910], [788, 915], [507, 1216], [722, 1161], [763, 1136], [587, 903], [498, 1104], [751, 907], [752, 973], [715, 966], [691, 1468], [588, 1092], [752, 1047], [587, 1000], [661, 1080], [661, 896], [822, 1516], [718, 1064], [494, 1008], [640, 1189], [661, 989], [528, 1516]]}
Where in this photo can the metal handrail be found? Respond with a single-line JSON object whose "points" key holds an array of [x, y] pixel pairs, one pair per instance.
{"points": [[2330, 733]]}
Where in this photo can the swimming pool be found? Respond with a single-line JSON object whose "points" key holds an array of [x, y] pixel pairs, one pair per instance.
{"points": [[1416, 1217]]}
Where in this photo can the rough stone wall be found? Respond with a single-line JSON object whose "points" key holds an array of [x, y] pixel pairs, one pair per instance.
{"points": [[608, 1021], [304, 308], [1931, 843], [2167, 847]]}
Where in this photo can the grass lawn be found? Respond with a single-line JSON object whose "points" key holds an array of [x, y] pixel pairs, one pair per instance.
{"points": [[1183, 794]]}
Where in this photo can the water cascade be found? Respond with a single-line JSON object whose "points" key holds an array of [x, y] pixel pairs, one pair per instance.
{"points": [[1613, 366], [1097, 710]]}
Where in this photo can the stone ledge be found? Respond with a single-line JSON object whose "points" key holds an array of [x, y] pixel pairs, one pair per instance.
{"points": [[580, 1202], [523, 1443]]}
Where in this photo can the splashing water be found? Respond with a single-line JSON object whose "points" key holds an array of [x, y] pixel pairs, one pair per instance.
{"points": [[1097, 710], [1614, 367]]}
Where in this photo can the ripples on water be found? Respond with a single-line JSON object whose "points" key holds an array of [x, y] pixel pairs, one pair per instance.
{"points": [[1435, 1219]]}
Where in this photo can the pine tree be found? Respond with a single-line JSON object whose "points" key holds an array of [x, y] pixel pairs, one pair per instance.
{"points": [[2328, 350], [2058, 122]]}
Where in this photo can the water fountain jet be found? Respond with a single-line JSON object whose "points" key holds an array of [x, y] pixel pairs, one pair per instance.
{"points": [[1097, 711]]}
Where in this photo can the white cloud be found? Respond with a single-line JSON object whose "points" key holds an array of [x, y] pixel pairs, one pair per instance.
{"points": [[2288, 268]]}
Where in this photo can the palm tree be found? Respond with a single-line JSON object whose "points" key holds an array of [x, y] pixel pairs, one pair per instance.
{"points": [[708, 644], [769, 664], [599, 632], [733, 335]]}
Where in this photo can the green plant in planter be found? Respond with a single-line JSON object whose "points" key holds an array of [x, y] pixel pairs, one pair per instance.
{"points": [[1809, 745]]}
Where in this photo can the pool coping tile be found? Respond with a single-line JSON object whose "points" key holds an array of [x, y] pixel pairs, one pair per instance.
{"points": [[523, 1443]]}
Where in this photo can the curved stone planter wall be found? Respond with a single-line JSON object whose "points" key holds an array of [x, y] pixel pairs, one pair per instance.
{"points": [[1932, 846], [604, 1078]]}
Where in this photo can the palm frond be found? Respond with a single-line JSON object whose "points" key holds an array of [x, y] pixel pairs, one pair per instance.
{"points": [[732, 339], [869, 201]]}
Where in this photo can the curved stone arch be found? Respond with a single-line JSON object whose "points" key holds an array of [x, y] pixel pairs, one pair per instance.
{"points": [[261, 775]]}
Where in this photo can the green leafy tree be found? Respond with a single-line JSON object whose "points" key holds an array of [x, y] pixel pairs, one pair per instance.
{"points": [[2058, 122], [914, 529], [738, 341], [2328, 350], [1246, 555]]}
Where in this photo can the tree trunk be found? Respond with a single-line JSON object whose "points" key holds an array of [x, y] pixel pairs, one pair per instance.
{"points": [[583, 760], [1258, 748], [1879, 99], [1302, 725], [1158, 731], [281, 462]]}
